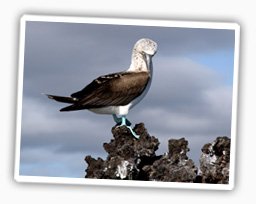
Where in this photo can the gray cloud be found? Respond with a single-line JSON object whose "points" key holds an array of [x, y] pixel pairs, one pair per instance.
{"points": [[44, 126], [187, 99]]}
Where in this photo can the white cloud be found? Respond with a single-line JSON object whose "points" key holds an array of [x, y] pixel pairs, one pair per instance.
{"points": [[41, 117], [187, 97]]}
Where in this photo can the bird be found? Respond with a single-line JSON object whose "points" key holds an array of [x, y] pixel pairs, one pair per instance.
{"points": [[116, 93]]}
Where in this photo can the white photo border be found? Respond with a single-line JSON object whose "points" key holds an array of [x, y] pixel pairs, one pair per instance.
{"points": [[139, 22]]}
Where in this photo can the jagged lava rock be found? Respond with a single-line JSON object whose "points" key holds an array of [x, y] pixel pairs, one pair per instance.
{"points": [[135, 159], [214, 161], [173, 166], [126, 155]]}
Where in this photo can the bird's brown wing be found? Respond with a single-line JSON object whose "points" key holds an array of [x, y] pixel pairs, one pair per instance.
{"points": [[110, 90]]}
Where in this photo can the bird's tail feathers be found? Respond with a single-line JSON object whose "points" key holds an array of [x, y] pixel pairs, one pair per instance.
{"points": [[63, 99]]}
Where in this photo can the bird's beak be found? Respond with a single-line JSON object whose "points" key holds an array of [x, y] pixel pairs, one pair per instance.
{"points": [[148, 60]]}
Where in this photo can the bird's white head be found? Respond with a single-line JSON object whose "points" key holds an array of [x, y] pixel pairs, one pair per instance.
{"points": [[143, 51], [146, 46]]}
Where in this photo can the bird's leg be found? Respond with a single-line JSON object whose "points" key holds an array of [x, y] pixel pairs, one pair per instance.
{"points": [[119, 120], [116, 119], [128, 123], [122, 121]]}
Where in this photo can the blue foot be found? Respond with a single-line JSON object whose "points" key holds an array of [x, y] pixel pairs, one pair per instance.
{"points": [[133, 133], [124, 122]]}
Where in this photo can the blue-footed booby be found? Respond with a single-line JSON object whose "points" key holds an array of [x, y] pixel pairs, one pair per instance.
{"points": [[117, 93]]}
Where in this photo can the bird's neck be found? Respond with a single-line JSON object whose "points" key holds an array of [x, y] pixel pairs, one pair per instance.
{"points": [[140, 63]]}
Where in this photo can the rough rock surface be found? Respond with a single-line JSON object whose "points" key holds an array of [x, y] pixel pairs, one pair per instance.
{"points": [[174, 166], [126, 155], [214, 161], [135, 159]]}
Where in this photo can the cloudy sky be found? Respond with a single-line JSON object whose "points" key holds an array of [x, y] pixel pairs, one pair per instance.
{"points": [[190, 95]]}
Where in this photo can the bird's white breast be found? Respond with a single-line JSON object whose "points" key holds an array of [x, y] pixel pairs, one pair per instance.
{"points": [[118, 110]]}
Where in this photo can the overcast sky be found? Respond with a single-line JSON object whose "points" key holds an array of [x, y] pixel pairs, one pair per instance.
{"points": [[190, 95]]}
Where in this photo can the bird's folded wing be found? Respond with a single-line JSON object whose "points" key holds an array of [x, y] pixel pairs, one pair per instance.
{"points": [[111, 90]]}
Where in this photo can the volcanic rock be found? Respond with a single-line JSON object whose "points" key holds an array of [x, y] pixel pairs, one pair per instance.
{"points": [[214, 161], [135, 159]]}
